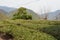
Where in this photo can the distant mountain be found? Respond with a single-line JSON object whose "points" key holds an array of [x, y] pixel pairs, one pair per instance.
{"points": [[51, 15], [3, 11], [55, 15], [7, 9], [3, 14], [34, 15]]}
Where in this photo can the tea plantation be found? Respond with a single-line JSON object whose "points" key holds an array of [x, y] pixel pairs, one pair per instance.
{"points": [[31, 29]]}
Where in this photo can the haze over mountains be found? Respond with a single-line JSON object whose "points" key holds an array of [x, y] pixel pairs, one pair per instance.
{"points": [[3, 14], [35, 5], [7, 11]]}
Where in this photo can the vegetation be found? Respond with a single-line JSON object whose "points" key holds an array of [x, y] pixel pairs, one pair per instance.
{"points": [[24, 28], [22, 14], [31, 30]]}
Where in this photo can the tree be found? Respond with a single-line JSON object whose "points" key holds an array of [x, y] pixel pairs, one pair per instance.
{"points": [[22, 14], [46, 11]]}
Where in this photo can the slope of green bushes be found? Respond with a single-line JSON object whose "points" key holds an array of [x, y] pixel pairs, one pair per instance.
{"points": [[31, 30]]}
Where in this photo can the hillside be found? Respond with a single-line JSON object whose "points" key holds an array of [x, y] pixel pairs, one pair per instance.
{"points": [[9, 11], [31, 12], [29, 19], [31, 30], [3, 14]]}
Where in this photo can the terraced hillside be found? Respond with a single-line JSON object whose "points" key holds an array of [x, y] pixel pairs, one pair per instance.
{"points": [[31, 30]]}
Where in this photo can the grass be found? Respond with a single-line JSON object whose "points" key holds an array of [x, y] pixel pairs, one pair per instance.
{"points": [[31, 29]]}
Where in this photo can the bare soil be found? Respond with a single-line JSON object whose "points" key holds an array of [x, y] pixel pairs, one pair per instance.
{"points": [[5, 36]]}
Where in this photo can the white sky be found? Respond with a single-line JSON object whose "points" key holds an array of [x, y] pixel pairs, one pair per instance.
{"points": [[15, 3], [35, 5]]}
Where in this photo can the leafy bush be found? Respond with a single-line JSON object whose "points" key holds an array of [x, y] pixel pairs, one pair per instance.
{"points": [[53, 30], [22, 14]]}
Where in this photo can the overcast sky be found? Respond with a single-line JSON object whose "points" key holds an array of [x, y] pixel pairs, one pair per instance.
{"points": [[35, 5]]}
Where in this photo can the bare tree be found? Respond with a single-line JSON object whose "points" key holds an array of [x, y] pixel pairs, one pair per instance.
{"points": [[46, 11]]}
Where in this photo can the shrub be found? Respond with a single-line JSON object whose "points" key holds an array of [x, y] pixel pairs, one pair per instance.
{"points": [[20, 32], [22, 14]]}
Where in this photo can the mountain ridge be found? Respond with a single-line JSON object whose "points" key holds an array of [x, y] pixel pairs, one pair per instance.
{"points": [[51, 15], [3, 14], [7, 9]]}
